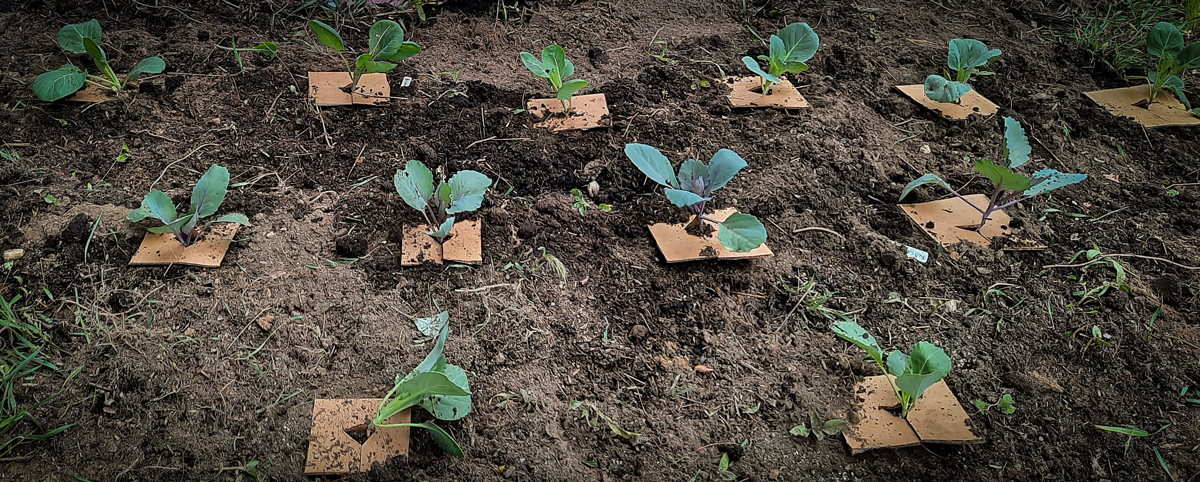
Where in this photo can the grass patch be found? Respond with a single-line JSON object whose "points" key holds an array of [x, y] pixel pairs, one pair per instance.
{"points": [[1115, 33], [21, 345]]}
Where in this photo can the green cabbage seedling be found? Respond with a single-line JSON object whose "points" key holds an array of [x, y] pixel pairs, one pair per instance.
{"points": [[386, 42], [694, 187], [464, 192], [794, 45], [207, 197], [438, 387], [1009, 187], [966, 57], [1166, 43], [84, 38], [914, 373], [555, 67]]}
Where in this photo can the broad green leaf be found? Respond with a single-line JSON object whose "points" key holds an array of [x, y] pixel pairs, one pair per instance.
{"points": [[71, 37], [683, 198], [652, 163], [412, 390], [385, 38], [794, 68], [568, 68], [56, 84], [270, 49], [1187, 105], [968, 54], [928, 358], [800, 42], [693, 177], [1189, 57], [152, 65], [777, 56], [1164, 40], [159, 205], [327, 35], [407, 49], [853, 333], [741, 233], [444, 229], [451, 407], [97, 54], [938, 89], [443, 438], [415, 185], [176, 226], [209, 193], [443, 193], [1050, 179], [555, 59], [139, 214], [897, 363], [921, 181], [534, 65], [799, 431], [234, 218], [1015, 145], [431, 360], [724, 165], [753, 66], [466, 191], [377, 67], [832, 427], [432, 326], [1002, 176], [915, 384], [570, 87]]}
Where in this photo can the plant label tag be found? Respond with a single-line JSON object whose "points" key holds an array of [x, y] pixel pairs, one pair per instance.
{"points": [[406, 82], [917, 254]]}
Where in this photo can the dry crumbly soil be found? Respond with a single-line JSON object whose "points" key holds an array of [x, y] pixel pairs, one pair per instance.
{"points": [[178, 380]]}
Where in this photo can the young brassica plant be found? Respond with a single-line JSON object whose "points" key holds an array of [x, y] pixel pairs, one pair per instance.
{"points": [[1166, 43], [438, 387], [463, 192], [207, 197], [966, 57], [694, 187], [386, 42], [84, 38], [794, 45], [1009, 187], [914, 373], [555, 67]]}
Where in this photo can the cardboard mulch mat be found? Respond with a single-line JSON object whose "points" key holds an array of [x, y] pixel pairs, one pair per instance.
{"points": [[206, 252], [1166, 110], [587, 112], [747, 92], [937, 418], [326, 88], [331, 449], [970, 103], [94, 93], [950, 221], [465, 245], [678, 246]]}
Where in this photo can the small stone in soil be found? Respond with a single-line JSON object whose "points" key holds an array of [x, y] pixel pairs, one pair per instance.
{"points": [[638, 333]]}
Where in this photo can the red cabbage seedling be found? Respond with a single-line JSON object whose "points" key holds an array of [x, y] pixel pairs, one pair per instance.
{"points": [[914, 373], [555, 67], [794, 45], [84, 38], [1165, 42], [386, 43], [1009, 187], [464, 192], [694, 187], [966, 57], [207, 197]]}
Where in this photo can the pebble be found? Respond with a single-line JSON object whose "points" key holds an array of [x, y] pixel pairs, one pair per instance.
{"points": [[13, 254]]}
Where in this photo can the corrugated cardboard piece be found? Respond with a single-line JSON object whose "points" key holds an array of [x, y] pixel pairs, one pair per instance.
{"points": [[207, 251], [331, 450], [1164, 111], [326, 88], [950, 221], [465, 245], [970, 103], [745, 92], [587, 112], [937, 418], [678, 246], [93, 93]]}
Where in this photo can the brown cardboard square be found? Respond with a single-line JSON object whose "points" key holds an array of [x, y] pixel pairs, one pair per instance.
{"points": [[207, 251], [678, 246], [331, 450], [93, 93], [464, 246], [744, 92], [587, 112], [326, 88], [970, 103], [952, 220], [937, 418], [1165, 111]]}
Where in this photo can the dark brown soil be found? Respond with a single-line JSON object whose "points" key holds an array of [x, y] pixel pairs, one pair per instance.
{"points": [[178, 380]]}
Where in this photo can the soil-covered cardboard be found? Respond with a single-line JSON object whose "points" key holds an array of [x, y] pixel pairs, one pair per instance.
{"points": [[331, 449], [465, 245], [747, 92], [970, 103], [952, 220], [587, 112], [326, 89], [1165, 111], [937, 418], [678, 246], [207, 251]]}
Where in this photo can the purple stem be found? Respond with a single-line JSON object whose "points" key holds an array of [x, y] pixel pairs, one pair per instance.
{"points": [[991, 206]]}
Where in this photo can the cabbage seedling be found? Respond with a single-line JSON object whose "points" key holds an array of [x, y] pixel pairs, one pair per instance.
{"points": [[1009, 187], [914, 373], [207, 197], [555, 67], [84, 38], [463, 192], [966, 57], [438, 387], [386, 42], [694, 187], [794, 45], [1165, 42]]}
